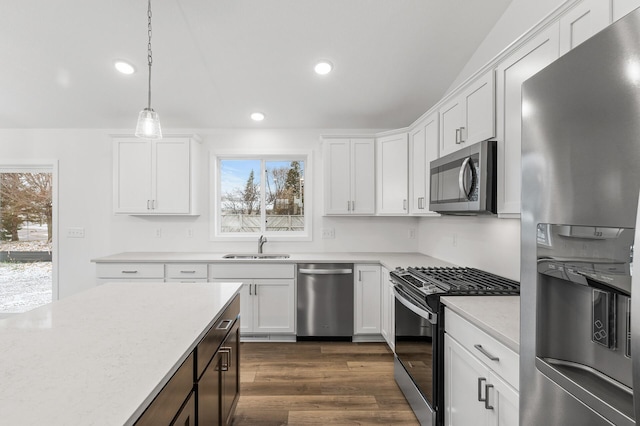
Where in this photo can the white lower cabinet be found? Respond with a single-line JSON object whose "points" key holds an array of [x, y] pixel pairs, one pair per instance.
{"points": [[267, 298], [367, 299], [387, 328], [480, 377]]}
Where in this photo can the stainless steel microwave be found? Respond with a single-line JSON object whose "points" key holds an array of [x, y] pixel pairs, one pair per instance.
{"points": [[464, 182]]}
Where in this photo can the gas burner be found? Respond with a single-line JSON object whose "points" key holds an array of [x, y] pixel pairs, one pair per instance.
{"points": [[428, 283]]}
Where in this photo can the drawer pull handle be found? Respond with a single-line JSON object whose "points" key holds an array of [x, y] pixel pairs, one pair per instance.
{"points": [[480, 398], [187, 272], [226, 360], [484, 352], [486, 397], [227, 323], [129, 272]]}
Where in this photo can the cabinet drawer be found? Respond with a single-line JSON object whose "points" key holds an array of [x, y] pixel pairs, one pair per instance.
{"points": [[130, 270], [483, 347], [186, 270], [209, 344], [168, 402], [251, 270]]}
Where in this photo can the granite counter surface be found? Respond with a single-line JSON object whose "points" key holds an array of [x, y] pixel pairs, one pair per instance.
{"points": [[498, 316], [99, 357]]}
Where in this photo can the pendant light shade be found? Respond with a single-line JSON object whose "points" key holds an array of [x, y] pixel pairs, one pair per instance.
{"points": [[148, 125], [148, 120]]}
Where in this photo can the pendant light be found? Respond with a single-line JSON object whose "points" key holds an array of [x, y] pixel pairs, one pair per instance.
{"points": [[148, 120]]}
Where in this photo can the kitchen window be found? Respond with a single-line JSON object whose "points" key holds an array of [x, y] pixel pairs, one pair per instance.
{"points": [[260, 196]]}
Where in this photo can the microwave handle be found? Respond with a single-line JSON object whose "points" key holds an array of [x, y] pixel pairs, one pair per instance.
{"points": [[634, 315], [462, 177]]}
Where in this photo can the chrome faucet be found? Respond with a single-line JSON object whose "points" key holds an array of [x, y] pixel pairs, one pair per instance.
{"points": [[261, 242]]}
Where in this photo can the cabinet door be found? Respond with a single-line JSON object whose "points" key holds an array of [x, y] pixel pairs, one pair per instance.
{"points": [[367, 299], [363, 165], [337, 176], [505, 402], [230, 374], [393, 175], [511, 73], [388, 305], [246, 302], [423, 148], [464, 380], [187, 415], [171, 176], [274, 306], [131, 175], [583, 21], [479, 110], [450, 124], [622, 7], [209, 395]]}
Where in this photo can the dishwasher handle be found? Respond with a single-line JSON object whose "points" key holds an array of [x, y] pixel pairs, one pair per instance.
{"points": [[325, 271]]}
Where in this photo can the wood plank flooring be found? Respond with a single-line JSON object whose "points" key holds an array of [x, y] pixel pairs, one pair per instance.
{"points": [[319, 383]]}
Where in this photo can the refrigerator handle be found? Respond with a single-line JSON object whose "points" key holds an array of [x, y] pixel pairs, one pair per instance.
{"points": [[635, 328]]}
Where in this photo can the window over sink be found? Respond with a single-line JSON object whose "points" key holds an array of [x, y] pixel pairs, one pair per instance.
{"points": [[260, 195]]}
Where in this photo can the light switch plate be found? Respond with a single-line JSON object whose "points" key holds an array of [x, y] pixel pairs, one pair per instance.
{"points": [[328, 233], [75, 232]]}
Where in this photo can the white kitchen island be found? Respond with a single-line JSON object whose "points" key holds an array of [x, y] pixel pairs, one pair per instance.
{"points": [[101, 356]]}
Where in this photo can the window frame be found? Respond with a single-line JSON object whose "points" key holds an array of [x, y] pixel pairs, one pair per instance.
{"points": [[215, 215]]}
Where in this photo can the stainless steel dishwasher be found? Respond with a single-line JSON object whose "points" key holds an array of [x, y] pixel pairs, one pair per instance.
{"points": [[325, 301]]}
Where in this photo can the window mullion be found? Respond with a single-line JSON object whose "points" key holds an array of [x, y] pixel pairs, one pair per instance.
{"points": [[263, 197]]}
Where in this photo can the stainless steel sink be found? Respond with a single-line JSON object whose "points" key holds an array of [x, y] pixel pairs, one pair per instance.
{"points": [[255, 256]]}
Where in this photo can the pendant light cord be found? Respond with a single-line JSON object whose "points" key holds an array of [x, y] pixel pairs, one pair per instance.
{"points": [[149, 53]]}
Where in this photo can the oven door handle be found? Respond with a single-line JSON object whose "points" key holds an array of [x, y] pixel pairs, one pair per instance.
{"points": [[428, 315]]}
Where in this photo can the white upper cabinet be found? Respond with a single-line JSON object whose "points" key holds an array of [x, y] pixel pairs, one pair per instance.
{"points": [[583, 21], [423, 148], [349, 176], [392, 175], [530, 58], [468, 117], [622, 7], [154, 177]]}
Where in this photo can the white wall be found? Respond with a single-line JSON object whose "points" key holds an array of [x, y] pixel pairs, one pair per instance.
{"points": [[486, 243], [85, 200], [517, 19]]}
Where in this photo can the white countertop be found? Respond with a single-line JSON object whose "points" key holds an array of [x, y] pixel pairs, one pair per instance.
{"points": [[388, 260], [498, 316], [99, 357]]}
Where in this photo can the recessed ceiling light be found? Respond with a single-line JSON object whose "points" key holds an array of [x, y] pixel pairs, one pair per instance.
{"points": [[124, 67], [323, 67], [257, 116]]}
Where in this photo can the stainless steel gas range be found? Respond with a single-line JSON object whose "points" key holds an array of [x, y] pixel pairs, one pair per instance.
{"points": [[419, 330]]}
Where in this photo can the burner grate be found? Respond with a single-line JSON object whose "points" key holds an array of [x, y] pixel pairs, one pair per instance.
{"points": [[467, 281]]}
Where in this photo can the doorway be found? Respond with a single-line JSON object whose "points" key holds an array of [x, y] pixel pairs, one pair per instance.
{"points": [[28, 236]]}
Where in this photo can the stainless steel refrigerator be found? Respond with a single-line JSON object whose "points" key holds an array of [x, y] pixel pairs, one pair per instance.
{"points": [[580, 295]]}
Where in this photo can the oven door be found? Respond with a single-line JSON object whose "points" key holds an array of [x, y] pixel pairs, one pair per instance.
{"points": [[416, 331]]}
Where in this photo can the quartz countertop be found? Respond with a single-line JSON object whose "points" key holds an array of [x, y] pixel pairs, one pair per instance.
{"points": [[498, 316], [388, 260], [99, 357]]}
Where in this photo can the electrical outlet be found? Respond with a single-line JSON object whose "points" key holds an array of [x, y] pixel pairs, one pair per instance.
{"points": [[189, 232], [412, 233], [158, 233], [454, 240], [75, 232], [328, 233]]}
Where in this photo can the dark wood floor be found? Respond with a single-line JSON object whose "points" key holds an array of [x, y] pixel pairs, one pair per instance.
{"points": [[319, 383]]}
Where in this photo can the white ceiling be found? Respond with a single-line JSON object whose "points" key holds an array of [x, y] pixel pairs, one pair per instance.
{"points": [[216, 61]]}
